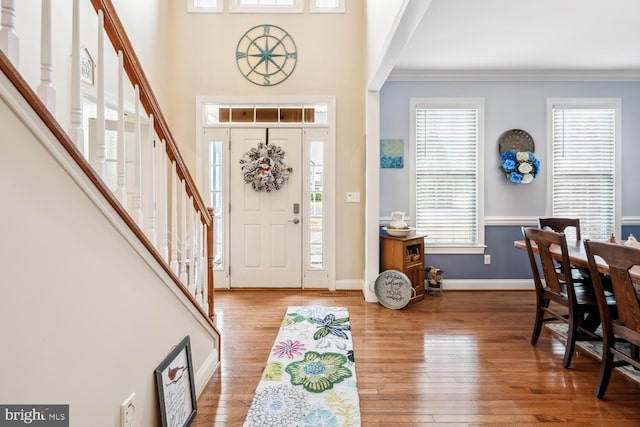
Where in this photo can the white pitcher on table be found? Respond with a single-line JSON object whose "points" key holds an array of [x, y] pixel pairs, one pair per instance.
{"points": [[397, 220]]}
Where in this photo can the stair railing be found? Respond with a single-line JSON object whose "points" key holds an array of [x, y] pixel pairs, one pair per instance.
{"points": [[135, 164]]}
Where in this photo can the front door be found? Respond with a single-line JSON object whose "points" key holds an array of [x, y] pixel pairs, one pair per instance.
{"points": [[266, 227]]}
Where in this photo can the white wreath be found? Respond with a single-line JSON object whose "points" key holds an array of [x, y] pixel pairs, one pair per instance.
{"points": [[264, 168]]}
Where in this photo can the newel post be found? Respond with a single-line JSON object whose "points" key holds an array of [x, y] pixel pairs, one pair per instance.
{"points": [[210, 264]]}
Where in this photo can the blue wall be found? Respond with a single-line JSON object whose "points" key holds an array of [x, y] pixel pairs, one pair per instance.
{"points": [[508, 105]]}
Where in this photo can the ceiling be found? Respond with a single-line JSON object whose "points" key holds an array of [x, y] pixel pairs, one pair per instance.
{"points": [[524, 37]]}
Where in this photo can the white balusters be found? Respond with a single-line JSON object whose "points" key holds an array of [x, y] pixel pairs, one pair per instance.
{"points": [[175, 228], [9, 42], [101, 149], [152, 190], [163, 219], [121, 189], [75, 130], [137, 187], [193, 256], [45, 90], [173, 263], [202, 260], [183, 234]]}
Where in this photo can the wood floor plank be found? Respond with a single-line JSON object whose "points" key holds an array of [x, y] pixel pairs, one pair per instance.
{"points": [[463, 359]]}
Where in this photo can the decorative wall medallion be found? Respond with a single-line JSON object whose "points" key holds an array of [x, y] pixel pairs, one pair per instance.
{"points": [[266, 55], [516, 140], [87, 67], [517, 161]]}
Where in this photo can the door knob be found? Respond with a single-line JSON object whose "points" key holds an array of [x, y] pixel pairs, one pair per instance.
{"points": [[295, 221]]}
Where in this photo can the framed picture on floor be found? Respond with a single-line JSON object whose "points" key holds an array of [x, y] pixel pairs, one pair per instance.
{"points": [[176, 388]]}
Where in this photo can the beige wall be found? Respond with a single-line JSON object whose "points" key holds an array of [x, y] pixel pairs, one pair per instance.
{"points": [[331, 55], [150, 41], [85, 319]]}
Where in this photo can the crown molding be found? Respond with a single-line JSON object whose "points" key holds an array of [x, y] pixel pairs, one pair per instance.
{"points": [[399, 75]]}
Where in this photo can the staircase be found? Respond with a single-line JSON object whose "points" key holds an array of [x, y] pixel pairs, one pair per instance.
{"points": [[108, 240]]}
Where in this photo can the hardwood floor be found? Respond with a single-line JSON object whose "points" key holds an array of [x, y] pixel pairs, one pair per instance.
{"points": [[461, 359]]}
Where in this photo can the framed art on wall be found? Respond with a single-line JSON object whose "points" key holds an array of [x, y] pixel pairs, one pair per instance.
{"points": [[176, 388], [392, 153]]}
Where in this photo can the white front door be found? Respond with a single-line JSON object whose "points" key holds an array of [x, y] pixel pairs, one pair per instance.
{"points": [[266, 227]]}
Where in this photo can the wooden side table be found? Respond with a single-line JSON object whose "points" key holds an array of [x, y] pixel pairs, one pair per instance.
{"points": [[405, 254]]}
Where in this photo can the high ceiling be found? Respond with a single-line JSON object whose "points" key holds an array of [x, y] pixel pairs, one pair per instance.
{"points": [[525, 37]]}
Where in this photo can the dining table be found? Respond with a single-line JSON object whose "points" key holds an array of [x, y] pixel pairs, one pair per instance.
{"points": [[578, 257]]}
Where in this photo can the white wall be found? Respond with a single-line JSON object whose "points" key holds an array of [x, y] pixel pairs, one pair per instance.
{"points": [[85, 319], [381, 15]]}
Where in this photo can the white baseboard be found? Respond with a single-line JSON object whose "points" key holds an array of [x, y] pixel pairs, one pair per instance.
{"points": [[206, 371], [451, 284], [349, 285], [341, 285], [488, 285]]}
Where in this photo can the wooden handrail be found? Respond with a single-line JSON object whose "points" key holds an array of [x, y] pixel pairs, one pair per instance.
{"points": [[52, 124], [120, 41]]}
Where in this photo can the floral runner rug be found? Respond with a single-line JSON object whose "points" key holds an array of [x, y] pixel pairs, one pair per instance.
{"points": [[310, 376]]}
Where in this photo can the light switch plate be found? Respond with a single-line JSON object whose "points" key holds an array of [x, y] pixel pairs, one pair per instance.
{"points": [[128, 412], [353, 197]]}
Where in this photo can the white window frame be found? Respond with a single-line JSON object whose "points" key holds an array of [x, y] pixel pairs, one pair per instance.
{"points": [[192, 8], [445, 103], [236, 6], [314, 8], [587, 103]]}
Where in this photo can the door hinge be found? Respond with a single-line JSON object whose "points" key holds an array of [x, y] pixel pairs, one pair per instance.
{"points": [[229, 270]]}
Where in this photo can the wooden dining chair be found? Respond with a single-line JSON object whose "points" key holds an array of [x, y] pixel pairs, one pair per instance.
{"points": [[556, 292], [625, 327], [560, 225]]}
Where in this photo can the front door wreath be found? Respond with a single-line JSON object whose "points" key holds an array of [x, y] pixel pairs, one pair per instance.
{"points": [[264, 167]]}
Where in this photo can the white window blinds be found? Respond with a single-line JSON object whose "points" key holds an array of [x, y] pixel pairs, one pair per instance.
{"points": [[583, 168], [446, 167]]}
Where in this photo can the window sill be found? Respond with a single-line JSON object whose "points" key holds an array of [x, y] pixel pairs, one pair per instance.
{"points": [[454, 250]]}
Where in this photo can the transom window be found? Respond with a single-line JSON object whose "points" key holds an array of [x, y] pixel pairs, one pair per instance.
{"points": [[266, 6], [448, 202], [583, 158], [327, 6], [205, 6]]}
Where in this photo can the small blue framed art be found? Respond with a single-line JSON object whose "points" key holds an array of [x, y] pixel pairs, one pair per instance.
{"points": [[392, 153]]}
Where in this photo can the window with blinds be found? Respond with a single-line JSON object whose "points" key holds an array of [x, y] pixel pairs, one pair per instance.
{"points": [[447, 184], [583, 165]]}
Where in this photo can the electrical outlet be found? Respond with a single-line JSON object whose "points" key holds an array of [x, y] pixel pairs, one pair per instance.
{"points": [[353, 197], [487, 259], [128, 412]]}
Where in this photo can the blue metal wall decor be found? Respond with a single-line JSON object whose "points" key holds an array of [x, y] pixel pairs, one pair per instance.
{"points": [[266, 55]]}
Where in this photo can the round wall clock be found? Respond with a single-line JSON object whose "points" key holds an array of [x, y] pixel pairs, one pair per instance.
{"points": [[266, 55]]}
